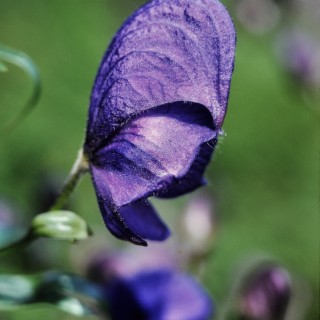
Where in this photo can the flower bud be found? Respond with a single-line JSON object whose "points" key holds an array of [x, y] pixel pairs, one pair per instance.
{"points": [[299, 54], [258, 16], [265, 294], [62, 225], [198, 222]]}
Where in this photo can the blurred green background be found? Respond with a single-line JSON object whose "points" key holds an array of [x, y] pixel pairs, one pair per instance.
{"points": [[264, 176]]}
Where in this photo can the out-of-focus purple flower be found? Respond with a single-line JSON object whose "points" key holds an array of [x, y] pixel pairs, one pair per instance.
{"points": [[266, 294], [299, 54], [148, 286], [258, 16], [157, 106], [158, 295]]}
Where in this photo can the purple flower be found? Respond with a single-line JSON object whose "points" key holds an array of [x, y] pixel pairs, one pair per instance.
{"points": [[158, 295], [156, 109]]}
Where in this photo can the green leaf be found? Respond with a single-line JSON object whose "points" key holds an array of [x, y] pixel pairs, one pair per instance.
{"points": [[24, 62], [3, 67], [62, 225], [70, 293]]}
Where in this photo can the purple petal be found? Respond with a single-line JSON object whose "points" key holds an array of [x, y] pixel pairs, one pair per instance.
{"points": [[194, 177], [133, 222], [143, 220], [156, 152], [175, 50], [110, 212]]}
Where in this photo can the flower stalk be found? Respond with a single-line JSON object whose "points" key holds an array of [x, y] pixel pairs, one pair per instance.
{"points": [[80, 167]]}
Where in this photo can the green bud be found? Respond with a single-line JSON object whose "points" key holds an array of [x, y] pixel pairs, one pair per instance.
{"points": [[62, 225]]}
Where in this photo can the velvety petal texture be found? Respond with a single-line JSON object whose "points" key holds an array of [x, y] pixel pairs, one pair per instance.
{"points": [[158, 295], [156, 109]]}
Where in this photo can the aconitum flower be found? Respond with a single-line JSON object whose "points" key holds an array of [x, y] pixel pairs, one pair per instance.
{"points": [[157, 106]]}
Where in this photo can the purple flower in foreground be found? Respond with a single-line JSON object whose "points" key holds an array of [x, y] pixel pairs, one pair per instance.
{"points": [[156, 109], [158, 295]]}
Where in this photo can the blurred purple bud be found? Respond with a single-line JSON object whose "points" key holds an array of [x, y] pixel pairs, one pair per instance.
{"points": [[299, 54], [199, 222], [258, 16], [265, 294], [157, 105], [158, 295]]}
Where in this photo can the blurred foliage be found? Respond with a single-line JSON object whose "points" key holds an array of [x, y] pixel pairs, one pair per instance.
{"points": [[264, 176], [67, 292], [24, 62]]}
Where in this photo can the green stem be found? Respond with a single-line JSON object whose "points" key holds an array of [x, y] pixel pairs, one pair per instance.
{"points": [[80, 167]]}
